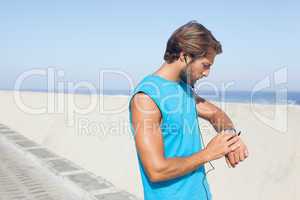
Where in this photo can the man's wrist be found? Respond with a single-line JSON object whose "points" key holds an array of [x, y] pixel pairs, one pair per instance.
{"points": [[206, 155]]}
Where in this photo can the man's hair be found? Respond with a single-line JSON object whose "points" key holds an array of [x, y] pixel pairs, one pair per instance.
{"points": [[193, 39]]}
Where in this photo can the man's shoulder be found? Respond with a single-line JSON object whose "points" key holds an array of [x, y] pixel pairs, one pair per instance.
{"points": [[149, 83]]}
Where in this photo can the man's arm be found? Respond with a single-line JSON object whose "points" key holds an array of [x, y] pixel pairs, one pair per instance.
{"points": [[220, 121], [218, 118], [146, 119]]}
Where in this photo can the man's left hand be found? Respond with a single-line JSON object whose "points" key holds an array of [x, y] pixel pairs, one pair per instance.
{"points": [[234, 157]]}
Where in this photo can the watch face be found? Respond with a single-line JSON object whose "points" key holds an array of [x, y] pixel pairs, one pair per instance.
{"points": [[229, 130]]}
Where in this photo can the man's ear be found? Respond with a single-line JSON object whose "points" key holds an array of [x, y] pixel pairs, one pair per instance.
{"points": [[184, 57], [181, 56]]}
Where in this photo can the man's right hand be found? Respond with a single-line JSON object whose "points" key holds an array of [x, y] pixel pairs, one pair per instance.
{"points": [[222, 144]]}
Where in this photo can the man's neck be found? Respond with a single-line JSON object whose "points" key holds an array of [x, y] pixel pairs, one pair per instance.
{"points": [[169, 71]]}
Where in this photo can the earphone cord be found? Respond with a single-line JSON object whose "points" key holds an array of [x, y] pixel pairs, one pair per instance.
{"points": [[205, 174], [212, 166]]}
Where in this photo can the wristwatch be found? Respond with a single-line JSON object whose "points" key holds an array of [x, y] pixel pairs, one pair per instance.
{"points": [[232, 129]]}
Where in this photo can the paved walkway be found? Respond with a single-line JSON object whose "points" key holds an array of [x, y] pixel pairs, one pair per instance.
{"points": [[29, 171]]}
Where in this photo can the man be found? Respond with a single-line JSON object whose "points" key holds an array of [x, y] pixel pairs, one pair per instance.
{"points": [[163, 115]]}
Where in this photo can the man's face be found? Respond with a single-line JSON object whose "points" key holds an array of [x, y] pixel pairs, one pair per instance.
{"points": [[198, 69]]}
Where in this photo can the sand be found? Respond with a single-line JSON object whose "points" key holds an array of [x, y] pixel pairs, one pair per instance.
{"points": [[98, 139]]}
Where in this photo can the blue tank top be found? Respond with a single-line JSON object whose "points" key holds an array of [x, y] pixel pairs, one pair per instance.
{"points": [[181, 138]]}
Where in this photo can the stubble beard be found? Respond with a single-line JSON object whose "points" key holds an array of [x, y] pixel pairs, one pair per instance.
{"points": [[185, 77]]}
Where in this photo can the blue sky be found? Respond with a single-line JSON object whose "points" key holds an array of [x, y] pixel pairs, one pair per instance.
{"points": [[84, 37]]}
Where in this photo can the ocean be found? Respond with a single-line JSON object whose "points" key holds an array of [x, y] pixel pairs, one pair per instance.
{"points": [[262, 97]]}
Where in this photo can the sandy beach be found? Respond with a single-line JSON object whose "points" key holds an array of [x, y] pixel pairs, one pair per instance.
{"points": [[93, 131]]}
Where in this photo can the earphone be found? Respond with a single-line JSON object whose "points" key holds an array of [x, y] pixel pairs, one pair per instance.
{"points": [[184, 56]]}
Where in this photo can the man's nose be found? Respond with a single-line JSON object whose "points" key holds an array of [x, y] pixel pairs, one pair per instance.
{"points": [[205, 73]]}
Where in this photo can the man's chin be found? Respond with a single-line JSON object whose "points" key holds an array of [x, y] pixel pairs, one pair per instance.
{"points": [[194, 82]]}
